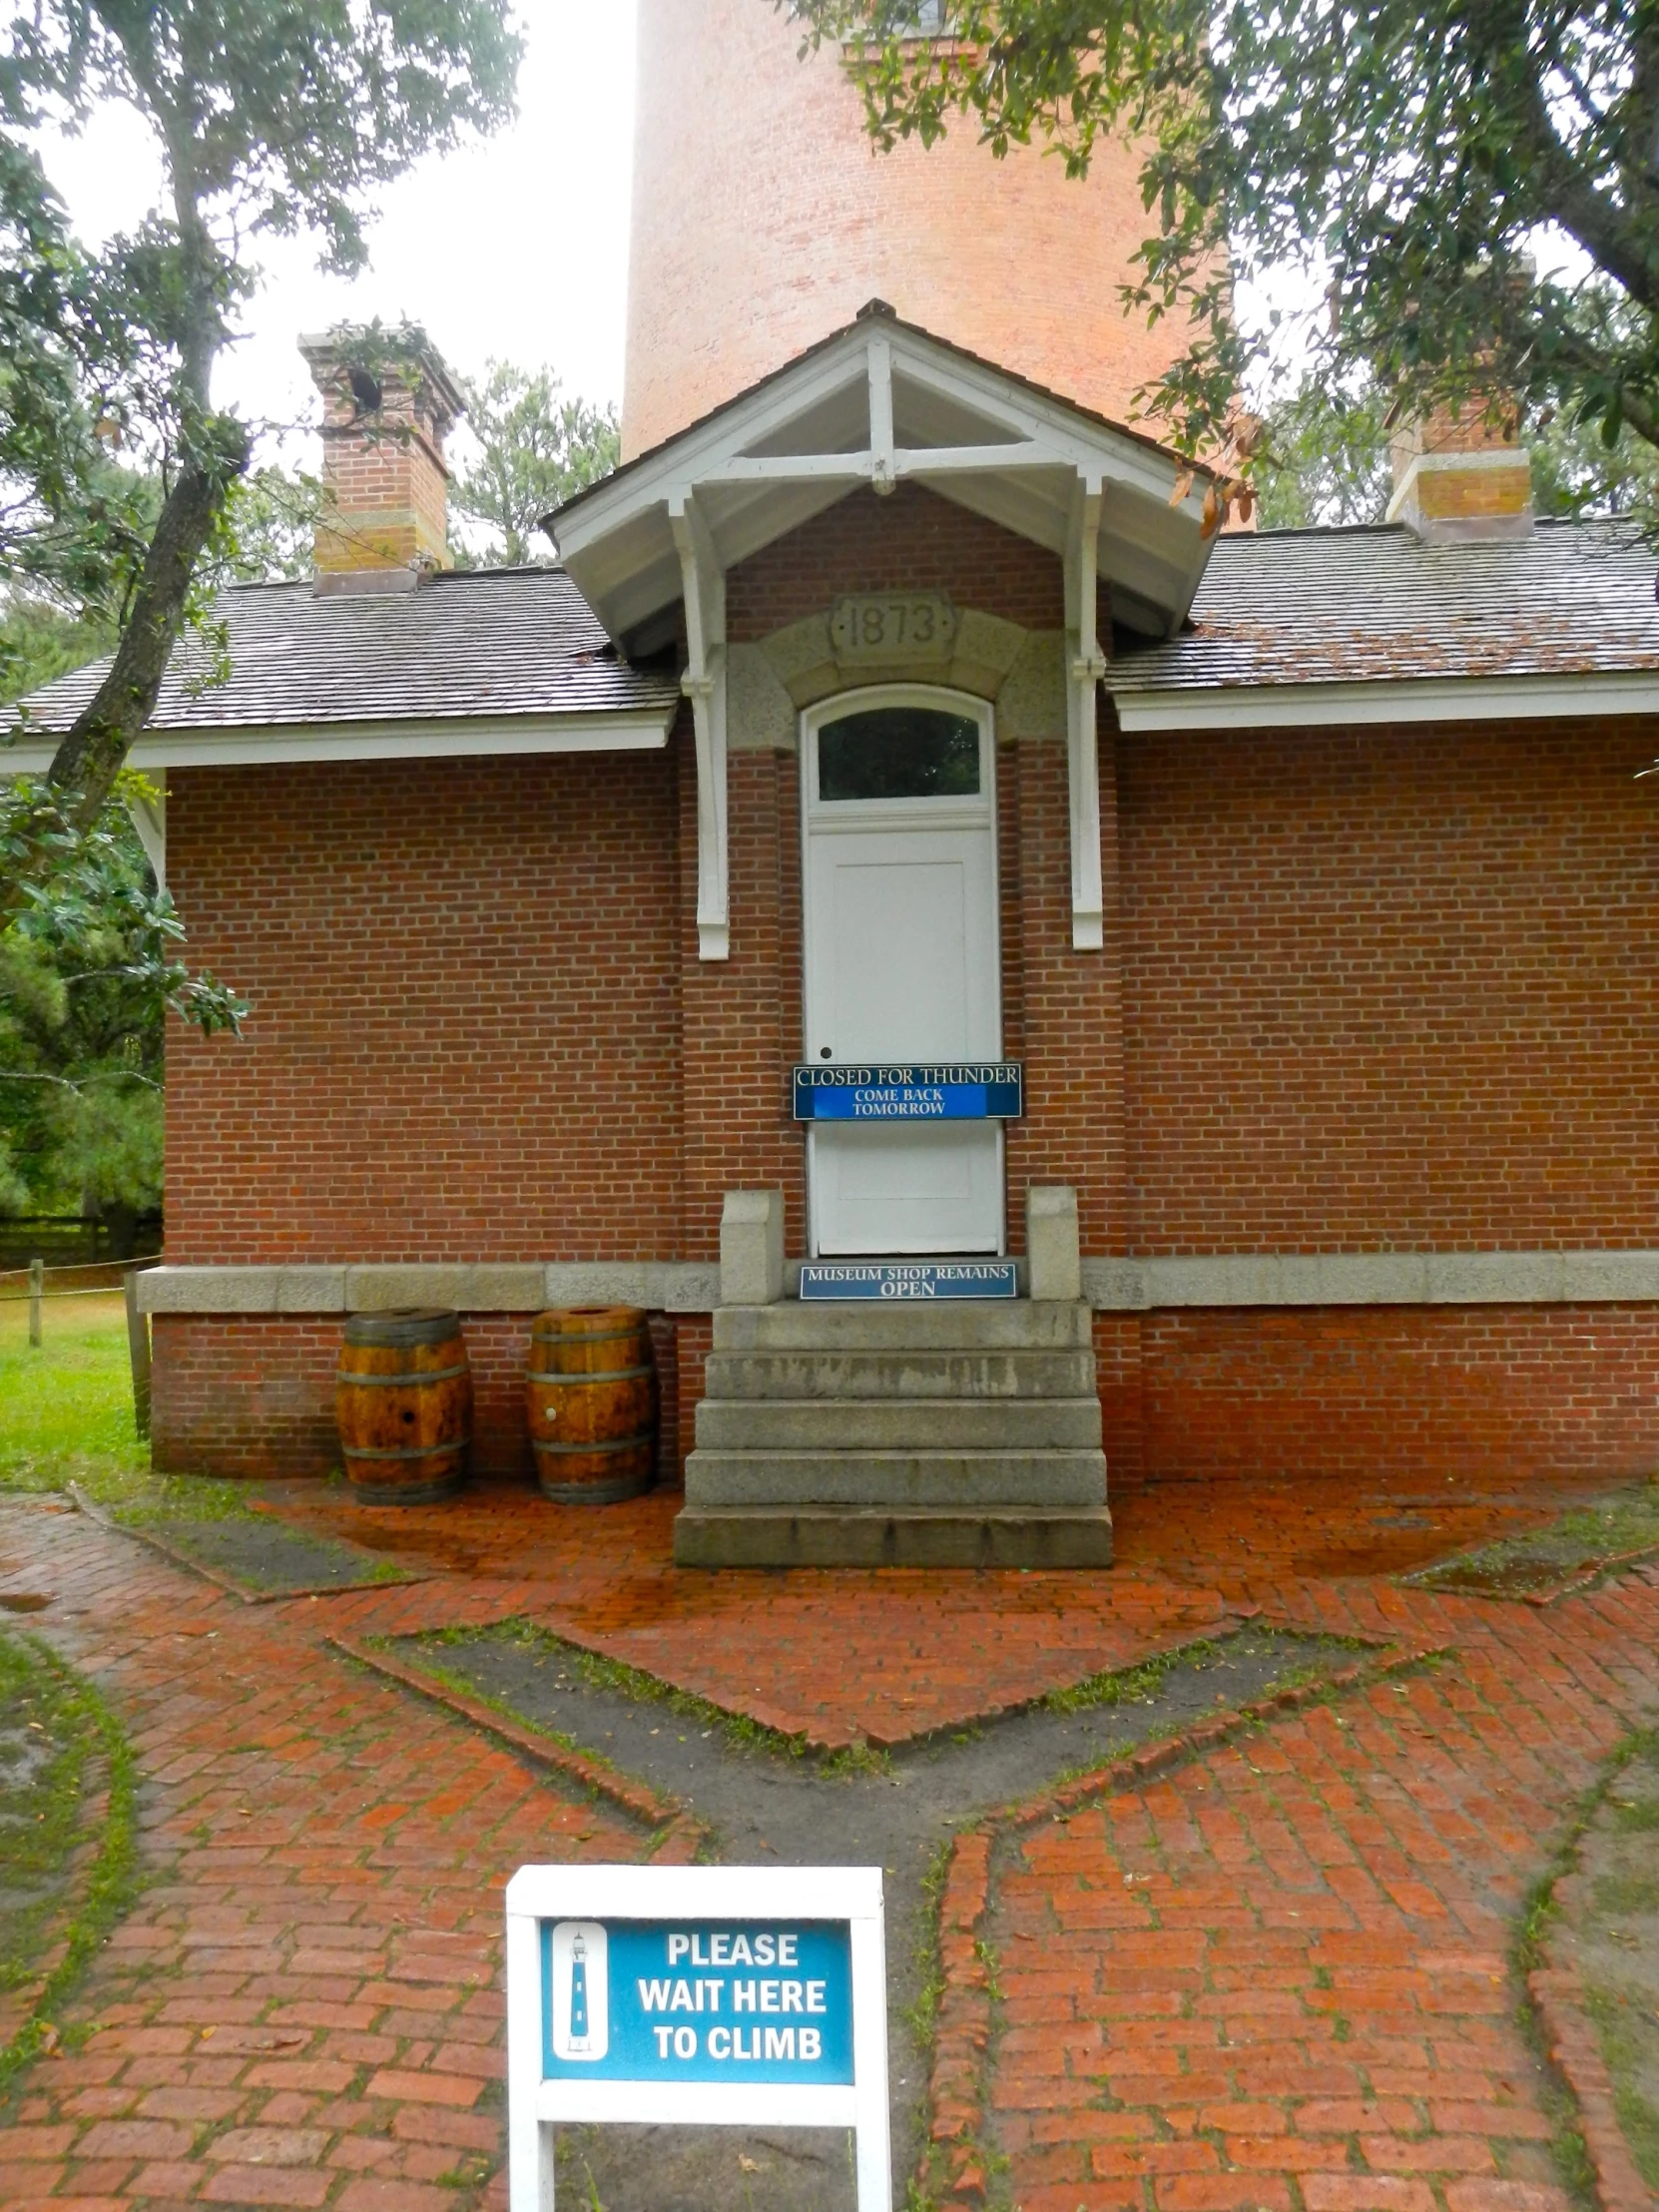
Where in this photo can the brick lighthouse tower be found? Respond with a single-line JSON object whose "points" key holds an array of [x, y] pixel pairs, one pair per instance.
{"points": [[763, 219]]}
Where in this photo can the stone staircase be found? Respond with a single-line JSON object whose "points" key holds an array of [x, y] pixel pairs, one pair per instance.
{"points": [[897, 1435]]}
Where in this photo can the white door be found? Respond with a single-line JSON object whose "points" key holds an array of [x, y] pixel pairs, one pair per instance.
{"points": [[902, 961]]}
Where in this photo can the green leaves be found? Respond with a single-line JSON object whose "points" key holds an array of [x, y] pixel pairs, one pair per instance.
{"points": [[535, 449], [89, 971], [1475, 181], [1324, 461], [116, 466]]}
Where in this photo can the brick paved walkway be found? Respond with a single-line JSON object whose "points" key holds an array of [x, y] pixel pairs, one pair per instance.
{"points": [[1281, 1974], [1278, 1976]]}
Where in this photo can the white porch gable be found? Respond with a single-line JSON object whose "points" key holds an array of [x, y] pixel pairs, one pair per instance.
{"points": [[878, 403]]}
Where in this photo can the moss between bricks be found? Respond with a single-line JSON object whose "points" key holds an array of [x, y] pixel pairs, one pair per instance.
{"points": [[1541, 1918], [56, 1911], [1573, 1547]]}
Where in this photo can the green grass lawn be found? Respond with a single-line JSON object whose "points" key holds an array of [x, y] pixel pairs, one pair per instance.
{"points": [[66, 1414], [66, 1410]]}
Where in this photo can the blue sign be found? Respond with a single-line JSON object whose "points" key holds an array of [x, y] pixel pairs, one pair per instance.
{"points": [[666, 2000], [992, 1090], [896, 1279]]}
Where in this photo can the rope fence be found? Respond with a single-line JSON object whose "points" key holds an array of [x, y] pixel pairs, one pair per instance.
{"points": [[124, 1284]]}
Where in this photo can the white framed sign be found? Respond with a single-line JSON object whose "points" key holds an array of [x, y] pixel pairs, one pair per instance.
{"points": [[696, 1996]]}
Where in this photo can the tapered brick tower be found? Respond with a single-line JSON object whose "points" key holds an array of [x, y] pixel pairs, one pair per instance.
{"points": [[763, 219]]}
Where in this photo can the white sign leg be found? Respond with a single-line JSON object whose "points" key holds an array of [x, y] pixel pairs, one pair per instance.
{"points": [[869, 2065], [529, 2143]]}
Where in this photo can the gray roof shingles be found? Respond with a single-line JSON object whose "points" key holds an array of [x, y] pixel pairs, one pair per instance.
{"points": [[1284, 607], [488, 641], [1380, 604]]}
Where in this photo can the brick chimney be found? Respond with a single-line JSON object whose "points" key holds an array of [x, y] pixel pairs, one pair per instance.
{"points": [[383, 429], [1459, 474]]}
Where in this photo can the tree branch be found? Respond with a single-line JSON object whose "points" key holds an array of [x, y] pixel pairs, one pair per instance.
{"points": [[91, 756], [114, 1075]]}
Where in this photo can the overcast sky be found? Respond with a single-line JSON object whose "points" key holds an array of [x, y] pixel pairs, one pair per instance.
{"points": [[516, 246]]}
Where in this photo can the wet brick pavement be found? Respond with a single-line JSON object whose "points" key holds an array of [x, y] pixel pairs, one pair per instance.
{"points": [[1275, 1974]]}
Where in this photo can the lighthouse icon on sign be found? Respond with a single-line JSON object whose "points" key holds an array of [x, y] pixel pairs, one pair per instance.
{"points": [[580, 1995]]}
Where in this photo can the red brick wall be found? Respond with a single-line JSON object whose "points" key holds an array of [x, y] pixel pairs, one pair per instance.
{"points": [[256, 1396], [911, 541], [1362, 990], [1391, 989], [465, 1037], [762, 221], [1068, 1006], [1383, 1395], [743, 1015]]}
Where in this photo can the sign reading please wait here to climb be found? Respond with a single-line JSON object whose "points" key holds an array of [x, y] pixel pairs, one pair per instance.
{"points": [[700, 1996], [666, 2002]]}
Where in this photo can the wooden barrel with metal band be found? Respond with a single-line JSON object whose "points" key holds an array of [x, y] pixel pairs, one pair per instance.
{"points": [[403, 1399], [592, 1402]]}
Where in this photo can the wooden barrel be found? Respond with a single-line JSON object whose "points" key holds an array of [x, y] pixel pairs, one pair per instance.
{"points": [[592, 1401], [403, 1399]]}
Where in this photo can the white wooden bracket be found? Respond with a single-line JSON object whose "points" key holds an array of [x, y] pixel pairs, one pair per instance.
{"points": [[704, 684], [883, 474], [1085, 666], [150, 821]]}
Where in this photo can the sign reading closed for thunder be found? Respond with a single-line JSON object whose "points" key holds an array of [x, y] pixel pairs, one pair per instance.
{"points": [[985, 1091], [696, 1996], [671, 2001]]}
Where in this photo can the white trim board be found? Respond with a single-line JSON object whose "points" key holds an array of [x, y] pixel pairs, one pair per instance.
{"points": [[1584, 1278], [449, 737], [1293, 706]]}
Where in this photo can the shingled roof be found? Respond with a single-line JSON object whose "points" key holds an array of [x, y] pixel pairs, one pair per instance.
{"points": [[499, 643], [1296, 608]]}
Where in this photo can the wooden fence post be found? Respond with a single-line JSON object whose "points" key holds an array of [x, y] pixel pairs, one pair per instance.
{"points": [[37, 1302], [138, 1349]]}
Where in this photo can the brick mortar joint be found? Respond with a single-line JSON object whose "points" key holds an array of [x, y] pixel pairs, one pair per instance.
{"points": [[964, 2017], [1557, 1993], [637, 1798]]}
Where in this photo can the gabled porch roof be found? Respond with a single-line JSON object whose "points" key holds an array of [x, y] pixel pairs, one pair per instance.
{"points": [[880, 404], [883, 402]]}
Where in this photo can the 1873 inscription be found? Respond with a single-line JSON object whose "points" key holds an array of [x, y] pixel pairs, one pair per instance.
{"points": [[890, 627]]}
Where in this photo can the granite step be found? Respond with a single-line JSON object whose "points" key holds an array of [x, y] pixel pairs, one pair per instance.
{"points": [[764, 1536], [980, 1482], [899, 1374], [895, 1423], [1018, 1325]]}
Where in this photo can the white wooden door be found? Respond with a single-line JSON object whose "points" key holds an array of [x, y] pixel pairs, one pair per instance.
{"points": [[902, 962]]}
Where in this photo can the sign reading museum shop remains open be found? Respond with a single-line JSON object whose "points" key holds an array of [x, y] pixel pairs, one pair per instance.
{"points": [[722, 1996]]}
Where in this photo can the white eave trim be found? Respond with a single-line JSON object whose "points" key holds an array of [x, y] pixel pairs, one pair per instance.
{"points": [[444, 738], [1409, 699]]}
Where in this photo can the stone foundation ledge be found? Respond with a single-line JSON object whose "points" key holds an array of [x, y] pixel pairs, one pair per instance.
{"points": [[660, 1285], [1110, 1286], [1375, 1278]]}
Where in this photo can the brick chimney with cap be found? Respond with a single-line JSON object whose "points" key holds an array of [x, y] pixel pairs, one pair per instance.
{"points": [[383, 427], [1461, 473]]}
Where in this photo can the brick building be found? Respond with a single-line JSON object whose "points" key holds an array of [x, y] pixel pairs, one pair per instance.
{"points": [[894, 855], [763, 219]]}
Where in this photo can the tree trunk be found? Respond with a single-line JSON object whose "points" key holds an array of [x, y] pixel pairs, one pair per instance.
{"points": [[91, 755]]}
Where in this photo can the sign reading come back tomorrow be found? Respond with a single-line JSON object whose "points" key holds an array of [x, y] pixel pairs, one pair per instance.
{"points": [[700, 1996]]}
